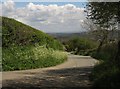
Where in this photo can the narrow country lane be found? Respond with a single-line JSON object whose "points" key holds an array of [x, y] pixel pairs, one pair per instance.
{"points": [[72, 73]]}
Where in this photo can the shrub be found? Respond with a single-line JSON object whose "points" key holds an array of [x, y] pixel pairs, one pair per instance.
{"points": [[24, 47], [107, 52], [17, 33], [106, 73], [80, 45], [22, 57]]}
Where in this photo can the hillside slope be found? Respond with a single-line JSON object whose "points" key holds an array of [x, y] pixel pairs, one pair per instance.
{"points": [[14, 32], [24, 47]]}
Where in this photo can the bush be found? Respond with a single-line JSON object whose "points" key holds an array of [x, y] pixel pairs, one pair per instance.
{"points": [[24, 47], [107, 52], [22, 57], [17, 33], [80, 45], [106, 73]]}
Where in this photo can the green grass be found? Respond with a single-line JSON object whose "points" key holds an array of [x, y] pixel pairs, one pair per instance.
{"points": [[20, 58], [24, 47], [17, 33]]}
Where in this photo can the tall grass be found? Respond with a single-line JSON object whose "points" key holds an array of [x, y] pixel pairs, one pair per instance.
{"points": [[22, 57]]}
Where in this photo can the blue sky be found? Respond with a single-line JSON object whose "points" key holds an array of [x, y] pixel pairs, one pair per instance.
{"points": [[47, 0], [77, 4], [50, 17]]}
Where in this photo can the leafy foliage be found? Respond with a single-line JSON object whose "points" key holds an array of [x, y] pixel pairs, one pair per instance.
{"points": [[103, 13], [27, 57], [107, 52], [106, 15], [16, 33], [24, 47], [80, 45], [106, 73]]}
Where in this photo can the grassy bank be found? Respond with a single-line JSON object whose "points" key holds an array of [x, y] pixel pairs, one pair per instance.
{"points": [[24, 47], [17, 33], [20, 58]]}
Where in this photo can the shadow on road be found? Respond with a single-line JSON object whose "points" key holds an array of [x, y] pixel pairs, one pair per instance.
{"points": [[69, 78]]}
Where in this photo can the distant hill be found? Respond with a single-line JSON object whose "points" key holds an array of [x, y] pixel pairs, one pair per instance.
{"points": [[94, 35], [17, 33], [67, 36]]}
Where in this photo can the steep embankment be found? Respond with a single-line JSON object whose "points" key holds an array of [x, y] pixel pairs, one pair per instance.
{"points": [[17, 33], [25, 47]]}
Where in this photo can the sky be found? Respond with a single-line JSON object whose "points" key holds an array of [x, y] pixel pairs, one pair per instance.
{"points": [[49, 17]]}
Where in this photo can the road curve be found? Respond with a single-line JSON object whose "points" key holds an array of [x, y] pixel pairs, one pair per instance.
{"points": [[72, 73]]}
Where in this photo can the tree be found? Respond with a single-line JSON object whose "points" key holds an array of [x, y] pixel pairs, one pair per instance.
{"points": [[106, 15], [100, 33]]}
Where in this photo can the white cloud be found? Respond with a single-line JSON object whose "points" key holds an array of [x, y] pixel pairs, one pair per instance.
{"points": [[0, 9], [9, 5], [49, 18]]}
